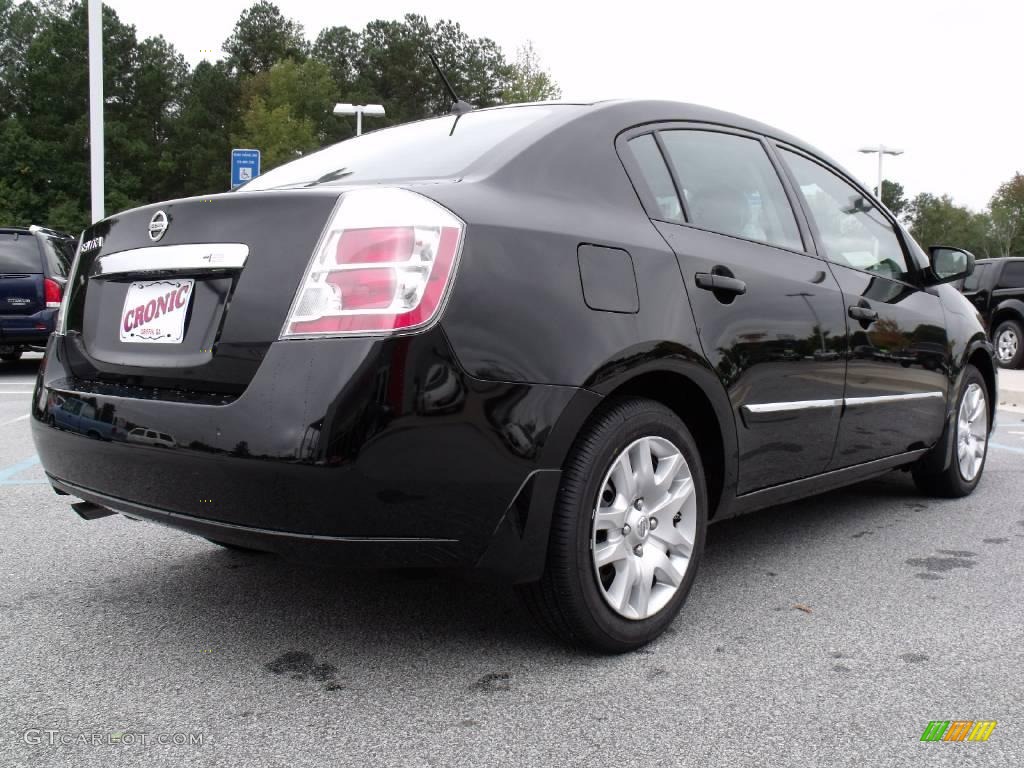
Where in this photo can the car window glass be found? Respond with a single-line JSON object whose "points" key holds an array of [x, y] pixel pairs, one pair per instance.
{"points": [[973, 281], [853, 231], [655, 173], [1013, 275], [56, 256], [730, 186], [442, 147], [19, 253]]}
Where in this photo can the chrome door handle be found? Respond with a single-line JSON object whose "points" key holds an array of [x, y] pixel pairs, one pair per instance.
{"points": [[711, 282], [863, 314]]}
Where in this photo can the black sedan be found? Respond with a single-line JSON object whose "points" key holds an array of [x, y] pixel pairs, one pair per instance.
{"points": [[548, 342]]}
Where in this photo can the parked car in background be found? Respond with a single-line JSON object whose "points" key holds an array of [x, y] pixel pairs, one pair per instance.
{"points": [[77, 415], [997, 290], [34, 266], [547, 342], [144, 436]]}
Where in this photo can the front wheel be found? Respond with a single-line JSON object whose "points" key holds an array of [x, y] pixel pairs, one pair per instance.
{"points": [[1007, 340], [627, 531], [970, 446]]}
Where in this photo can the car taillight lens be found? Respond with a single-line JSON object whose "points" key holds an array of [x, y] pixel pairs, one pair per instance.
{"points": [[384, 264], [52, 293]]}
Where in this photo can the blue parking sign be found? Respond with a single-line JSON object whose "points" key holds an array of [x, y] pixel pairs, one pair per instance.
{"points": [[245, 166]]}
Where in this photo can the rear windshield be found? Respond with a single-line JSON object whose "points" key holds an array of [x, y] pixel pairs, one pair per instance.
{"points": [[429, 149], [19, 253]]}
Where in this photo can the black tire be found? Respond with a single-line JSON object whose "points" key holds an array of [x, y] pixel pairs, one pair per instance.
{"points": [[950, 482], [11, 357], [1013, 328], [235, 547], [567, 601]]}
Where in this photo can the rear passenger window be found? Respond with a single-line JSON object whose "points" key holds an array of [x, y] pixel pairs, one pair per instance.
{"points": [[1013, 275], [655, 173], [853, 231], [730, 186]]}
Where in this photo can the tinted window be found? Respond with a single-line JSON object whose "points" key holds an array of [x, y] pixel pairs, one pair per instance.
{"points": [[973, 281], [19, 253], [730, 186], [852, 229], [655, 173], [1013, 275], [438, 148], [57, 255]]}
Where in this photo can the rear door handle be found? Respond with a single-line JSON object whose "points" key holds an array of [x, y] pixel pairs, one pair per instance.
{"points": [[710, 282], [863, 314]]}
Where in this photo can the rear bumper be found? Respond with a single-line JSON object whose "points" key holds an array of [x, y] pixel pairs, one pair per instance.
{"points": [[355, 451], [27, 330]]}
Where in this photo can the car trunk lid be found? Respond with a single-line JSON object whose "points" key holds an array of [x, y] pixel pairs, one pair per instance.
{"points": [[190, 294]]}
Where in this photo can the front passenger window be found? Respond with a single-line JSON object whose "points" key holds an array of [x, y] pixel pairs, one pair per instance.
{"points": [[853, 231]]}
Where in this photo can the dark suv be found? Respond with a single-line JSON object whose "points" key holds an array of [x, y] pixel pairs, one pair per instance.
{"points": [[997, 289], [546, 342], [33, 271]]}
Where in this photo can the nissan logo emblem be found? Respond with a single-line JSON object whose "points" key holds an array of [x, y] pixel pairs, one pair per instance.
{"points": [[158, 226]]}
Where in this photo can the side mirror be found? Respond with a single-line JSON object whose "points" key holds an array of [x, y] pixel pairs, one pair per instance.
{"points": [[949, 264]]}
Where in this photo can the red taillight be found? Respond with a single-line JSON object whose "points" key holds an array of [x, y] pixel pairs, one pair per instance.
{"points": [[52, 293], [361, 246], [384, 264]]}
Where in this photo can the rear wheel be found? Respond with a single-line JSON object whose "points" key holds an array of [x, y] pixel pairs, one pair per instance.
{"points": [[970, 443], [11, 357], [1007, 340], [627, 532]]}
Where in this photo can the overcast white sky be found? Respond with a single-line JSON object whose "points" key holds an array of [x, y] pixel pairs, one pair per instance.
{"points": [[940, 79]]}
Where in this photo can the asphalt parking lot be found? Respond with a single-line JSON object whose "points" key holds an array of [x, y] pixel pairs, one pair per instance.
{"points": [[827, 632]]}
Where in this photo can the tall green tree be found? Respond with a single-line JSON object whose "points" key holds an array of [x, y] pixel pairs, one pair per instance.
{"points": [[288, 110], [169, 130], [1007, 208], [894, 197], [262, 38], [198, 152], [937, 220], [530, 81]]}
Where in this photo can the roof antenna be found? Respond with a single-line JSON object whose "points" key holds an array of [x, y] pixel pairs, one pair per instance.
{"points": [[459, 107]]}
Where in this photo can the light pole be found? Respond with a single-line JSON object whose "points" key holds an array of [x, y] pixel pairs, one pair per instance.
{"points": [[881, 150], [370, 110], [96, 107]]}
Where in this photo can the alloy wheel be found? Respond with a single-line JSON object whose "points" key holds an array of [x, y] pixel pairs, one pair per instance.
{"points": [[644, 527], [1006, 345], [972, 432]]}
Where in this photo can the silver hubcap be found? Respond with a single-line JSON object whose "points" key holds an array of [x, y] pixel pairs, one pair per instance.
{"points": [[1006, 345], [644, 527], [972, 432]]}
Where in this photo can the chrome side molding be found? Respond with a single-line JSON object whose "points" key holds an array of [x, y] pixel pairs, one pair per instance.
{"points": [[192, 257], [795, 405], [891, 398], [759, 411]]}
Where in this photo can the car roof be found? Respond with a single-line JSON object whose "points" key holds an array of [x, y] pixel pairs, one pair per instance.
{"points": [[33, 229]]}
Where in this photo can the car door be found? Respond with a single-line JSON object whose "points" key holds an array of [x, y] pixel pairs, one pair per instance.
{"points": [[899, 353], [769, 313]]}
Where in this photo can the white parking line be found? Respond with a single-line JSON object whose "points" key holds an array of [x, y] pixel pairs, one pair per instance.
{"points": [[14, 421]]}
